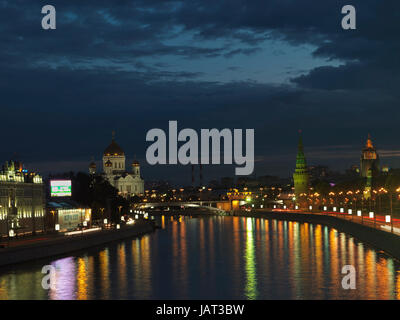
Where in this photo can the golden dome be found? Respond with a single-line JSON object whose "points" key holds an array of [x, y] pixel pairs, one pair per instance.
{"points": [[113, 150], [135, 163], [92, 165]]}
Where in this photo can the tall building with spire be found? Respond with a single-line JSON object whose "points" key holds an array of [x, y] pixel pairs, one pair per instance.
{"points": [[300, 176], [369, 160]]}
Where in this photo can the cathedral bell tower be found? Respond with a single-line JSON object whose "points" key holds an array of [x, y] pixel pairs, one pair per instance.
{"points": [[300, 176], [92, 168], [136, 169]]}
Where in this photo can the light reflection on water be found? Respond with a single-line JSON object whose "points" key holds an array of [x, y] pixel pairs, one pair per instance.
{"points": [[215, 258]]}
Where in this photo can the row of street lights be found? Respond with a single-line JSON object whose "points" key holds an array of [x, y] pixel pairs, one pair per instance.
{"points": [[353, 198], [371, 215]]}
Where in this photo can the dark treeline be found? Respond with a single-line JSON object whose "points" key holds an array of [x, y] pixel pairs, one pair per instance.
{"points": [[96, 193]]}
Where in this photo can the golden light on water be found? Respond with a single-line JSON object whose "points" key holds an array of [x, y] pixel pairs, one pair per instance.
{"points": [[122, 267], [104, 273], [251, 272], [82, 280], [318, 257], [217, 257]]}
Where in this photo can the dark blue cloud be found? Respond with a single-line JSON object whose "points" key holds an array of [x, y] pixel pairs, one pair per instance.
{"points": [[131, 66]]}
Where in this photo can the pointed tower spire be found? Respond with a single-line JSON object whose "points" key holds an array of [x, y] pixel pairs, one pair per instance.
{"points": [[300, 147], [301, 159], [369, 142], [300, 176]]}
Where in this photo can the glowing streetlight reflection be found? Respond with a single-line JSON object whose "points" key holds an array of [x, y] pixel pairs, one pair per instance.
{"points": [[251, 272]]}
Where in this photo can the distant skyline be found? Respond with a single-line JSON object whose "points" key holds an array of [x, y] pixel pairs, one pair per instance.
{"points": [[130, 66], [281, 165]]}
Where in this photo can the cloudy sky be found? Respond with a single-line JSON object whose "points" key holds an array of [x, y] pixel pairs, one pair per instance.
{"points": [[273, 65]]}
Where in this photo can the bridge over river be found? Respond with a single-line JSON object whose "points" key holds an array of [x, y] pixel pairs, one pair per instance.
{"points": [[208, 205]]}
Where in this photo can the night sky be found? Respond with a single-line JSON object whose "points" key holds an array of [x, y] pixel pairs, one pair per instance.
{"points": [[130, 66]]}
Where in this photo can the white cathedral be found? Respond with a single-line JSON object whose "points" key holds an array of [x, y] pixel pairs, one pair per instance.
{"points": [[127, 183]]}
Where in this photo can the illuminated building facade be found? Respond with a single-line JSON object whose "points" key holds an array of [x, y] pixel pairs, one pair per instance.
{"points": [[22, 200], [128, 183], [68, 214], [369, 160], [300, 176], [237, 199]]}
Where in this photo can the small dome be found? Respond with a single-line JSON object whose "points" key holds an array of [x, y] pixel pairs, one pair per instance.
{"points": [[135, 163], [114, 150], [108, 163], [92, 165]]}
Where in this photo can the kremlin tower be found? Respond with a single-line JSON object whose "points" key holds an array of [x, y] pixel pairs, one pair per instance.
{"points": [[300, 176], [369, 160]]}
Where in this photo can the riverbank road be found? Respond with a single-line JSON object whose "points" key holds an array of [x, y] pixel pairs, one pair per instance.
{"points": [[375, 221], [19, 250], [48, 238]]}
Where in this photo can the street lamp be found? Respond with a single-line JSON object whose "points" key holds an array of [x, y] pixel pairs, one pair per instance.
{"points": [[332, 194], [359, 214], [356, 195], [381, 191], [350, 211], [374, 199], [372, 215], [350, 194]]}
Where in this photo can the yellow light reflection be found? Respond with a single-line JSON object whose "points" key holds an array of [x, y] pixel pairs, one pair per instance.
{"points": [[81, 280], [251, 272], [105, 273], [122, 268]]}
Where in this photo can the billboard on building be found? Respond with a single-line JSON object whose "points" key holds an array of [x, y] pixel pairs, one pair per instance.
{"points": [[60, 188]]}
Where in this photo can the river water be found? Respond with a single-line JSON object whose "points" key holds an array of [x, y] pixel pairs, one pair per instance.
{"points": [[215, 258]]}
